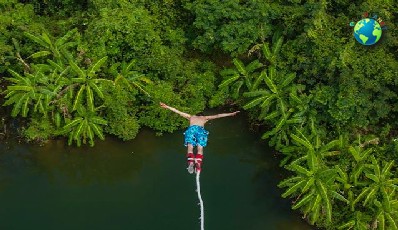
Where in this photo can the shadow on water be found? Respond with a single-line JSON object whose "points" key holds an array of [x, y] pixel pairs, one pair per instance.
{"points": [[143, 185]]}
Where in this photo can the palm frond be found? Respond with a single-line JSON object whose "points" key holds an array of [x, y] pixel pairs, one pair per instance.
{"points": [[61, 41], [97, 130], [96, 66], [326, 200], [228, 81], [40, 54], [239, 66], [90, 98], [80, 72], [254, 102], [266, 51], [72, 123], [277, 46], [254, 65], [78, 97], [288, 80], [271, 85], [36, 39], [303, 201], [293, 189]]}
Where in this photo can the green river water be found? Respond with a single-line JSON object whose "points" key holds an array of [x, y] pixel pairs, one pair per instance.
{"points": [[143, 184]]}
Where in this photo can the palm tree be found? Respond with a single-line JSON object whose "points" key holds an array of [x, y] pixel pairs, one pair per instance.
{"points": [[126, 76], [387, 212], [58, 48], [277, 94], [381, 182], [314, 144], [314, 183], [358, 221], [278, 103], [28, 92], [361, 156], [84, 127], [312, 187], [88, 83], [271, 54], [241, 76]]}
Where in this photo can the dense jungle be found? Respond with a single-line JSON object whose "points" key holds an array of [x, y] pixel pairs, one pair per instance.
{"points": [[85, 70]]}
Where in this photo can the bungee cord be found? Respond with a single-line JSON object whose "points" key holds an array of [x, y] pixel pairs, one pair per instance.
{"points": [[202, 211]]}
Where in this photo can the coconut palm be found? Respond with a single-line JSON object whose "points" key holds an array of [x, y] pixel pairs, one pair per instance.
{"points": [[277, 94], [241, 77], [314, 183], [361, 156], [126, 76], [313, 188], [279, 104], [314, 144], [58, 48], [387, 211], [88, 82], [271, 53], [381, 182], [28, 93], [358, 221], [84, 127]]}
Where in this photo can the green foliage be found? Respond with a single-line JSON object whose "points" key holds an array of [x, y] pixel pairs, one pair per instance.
{"points": [[129, 78], [313, 177], [122, 34], [40, 129], [15, 17], [50, 90], [313, 184], [58, 48], [241, 77], [381, 182], [231, 26], [88, 83], [278, 103], [344, 91], [120, 112], [158, 118], [84, 127], [30, 92], [58, 7], [271, 54], [124, 126], [358, 220], [305, 80]]}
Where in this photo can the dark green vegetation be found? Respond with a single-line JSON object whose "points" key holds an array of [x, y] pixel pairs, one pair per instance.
{"points": [[327, 103]]}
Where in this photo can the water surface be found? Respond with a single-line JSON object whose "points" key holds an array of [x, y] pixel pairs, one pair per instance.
{"points": [[143, 185]]}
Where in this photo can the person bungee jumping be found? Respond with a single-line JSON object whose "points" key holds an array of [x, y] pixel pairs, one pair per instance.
{"points": [[196, 135]]}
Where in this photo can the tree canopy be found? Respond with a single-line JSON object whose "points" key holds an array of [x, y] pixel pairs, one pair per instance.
{"points": [[86, 69]]}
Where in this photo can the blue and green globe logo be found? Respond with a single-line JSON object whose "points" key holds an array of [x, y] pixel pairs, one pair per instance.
{"points": [[367, 31]]}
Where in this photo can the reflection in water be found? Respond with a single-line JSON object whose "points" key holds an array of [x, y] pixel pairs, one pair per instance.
{"points": [[85, 166], [143, 184]]}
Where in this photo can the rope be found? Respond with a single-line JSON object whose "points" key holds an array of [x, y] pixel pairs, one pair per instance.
{"points": [[202, 211]]}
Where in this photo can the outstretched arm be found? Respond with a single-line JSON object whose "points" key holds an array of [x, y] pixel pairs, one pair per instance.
{"points": [[182, 114], [221, 115]]}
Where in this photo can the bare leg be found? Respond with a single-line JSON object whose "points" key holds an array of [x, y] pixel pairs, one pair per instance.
{"points": [[200, 149], [199, 158], [190, 158], [190, 148]]}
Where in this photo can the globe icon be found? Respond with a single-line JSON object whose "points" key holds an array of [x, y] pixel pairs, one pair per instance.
{"points": [[367, 31]]}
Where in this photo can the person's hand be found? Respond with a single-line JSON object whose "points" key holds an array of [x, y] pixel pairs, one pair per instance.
{"points": [[234, 113], [163, 105]]}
